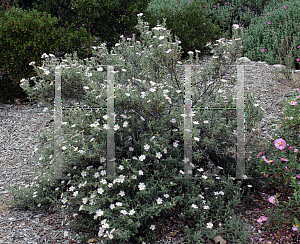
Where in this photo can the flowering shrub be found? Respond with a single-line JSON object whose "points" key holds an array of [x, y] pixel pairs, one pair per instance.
{"points": [[280, 168], [129, 207]]}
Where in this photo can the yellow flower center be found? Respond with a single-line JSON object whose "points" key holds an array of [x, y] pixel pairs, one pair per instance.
{"points": [[280, 143]]}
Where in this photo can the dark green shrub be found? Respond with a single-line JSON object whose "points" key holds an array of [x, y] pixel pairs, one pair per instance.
{"points": [[25, 36], [187, 21], [113, 18]]}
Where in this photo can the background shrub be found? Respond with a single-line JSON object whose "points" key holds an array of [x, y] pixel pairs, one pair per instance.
{"points": [[283, 23], [258, 34], [187, 21], [25, 36], [106, 20]]}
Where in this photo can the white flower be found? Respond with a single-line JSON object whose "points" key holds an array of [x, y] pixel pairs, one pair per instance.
{"points": [[146, 147], [209, 225], [158, 155], [142, 158], [152, 227], [103, 181], [206, 207], [71, 188], [99, 212], [235, 27], [159, 201], [105, 226], [141, 186], [194, 206], [140, 14]]}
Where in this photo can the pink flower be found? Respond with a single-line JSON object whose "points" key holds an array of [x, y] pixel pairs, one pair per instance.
{"points": [[266, 175], [262, 50], [268, 22], [298, 59], [284, 7], [268, 14], [284, 159], [295, 228], [293, 102], [273, 200], [270, 161], [259, 154], [290, 148], [261, 219], [280, 143]]}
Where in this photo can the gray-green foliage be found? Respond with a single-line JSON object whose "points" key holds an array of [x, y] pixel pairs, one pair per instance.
{"points": [[258, 34], [261, 35]]}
